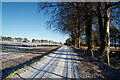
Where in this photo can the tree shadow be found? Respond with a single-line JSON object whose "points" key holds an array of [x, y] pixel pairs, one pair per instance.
{"points": [[7, 71], [106, 71], [50, 66]]}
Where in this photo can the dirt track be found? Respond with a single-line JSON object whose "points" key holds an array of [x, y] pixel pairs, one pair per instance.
{"points": [[61, 64]]}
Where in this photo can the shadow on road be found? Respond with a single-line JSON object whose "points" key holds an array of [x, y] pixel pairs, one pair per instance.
{"points": [[7, 71], [50, 66]]}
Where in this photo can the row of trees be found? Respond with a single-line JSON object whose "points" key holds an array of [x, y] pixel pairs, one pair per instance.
{"points": [[26, 40], [15, 39], [45, 41], [88, 19]]}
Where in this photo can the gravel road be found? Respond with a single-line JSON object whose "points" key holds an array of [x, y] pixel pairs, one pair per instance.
{"points": [[61, 64]]}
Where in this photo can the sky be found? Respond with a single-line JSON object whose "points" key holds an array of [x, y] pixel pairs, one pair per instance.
{"points": [[22, 19]]}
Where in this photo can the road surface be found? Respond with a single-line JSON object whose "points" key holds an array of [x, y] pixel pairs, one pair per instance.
{"points": [[61, 64]]}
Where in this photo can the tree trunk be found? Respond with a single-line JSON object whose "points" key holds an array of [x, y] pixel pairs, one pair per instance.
{"points": [[76, 38], [101, 30], [112, 40], [76, 42], [106, 24], [104, 31], [89, 33], [78, 26], [72, 37], [79, 37], [79, 40], [115, 41], [119, 43]]}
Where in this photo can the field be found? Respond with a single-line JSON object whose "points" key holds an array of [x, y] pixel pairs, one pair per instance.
{"points": [[14, 57]]}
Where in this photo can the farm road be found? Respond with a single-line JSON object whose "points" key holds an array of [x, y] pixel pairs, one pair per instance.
{"points": [[61, 64]]}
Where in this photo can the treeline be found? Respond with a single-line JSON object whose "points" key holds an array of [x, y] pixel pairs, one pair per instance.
{"points": [[27, 40], [114, 39], [92, 20]]}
